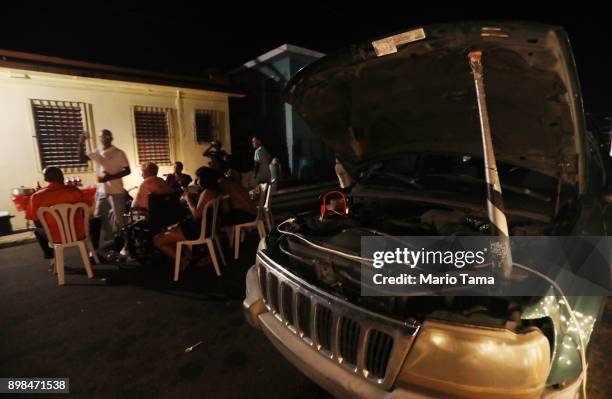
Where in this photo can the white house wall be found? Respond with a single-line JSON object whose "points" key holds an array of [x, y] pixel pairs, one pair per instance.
{"points": [[111, 104]]}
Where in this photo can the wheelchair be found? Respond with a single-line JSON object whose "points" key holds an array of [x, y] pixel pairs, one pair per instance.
{"points": [[142, 225]]}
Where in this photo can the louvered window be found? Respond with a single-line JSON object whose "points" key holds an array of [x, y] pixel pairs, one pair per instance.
{"points": [[209, 125], [152, 134], [58, 125]]}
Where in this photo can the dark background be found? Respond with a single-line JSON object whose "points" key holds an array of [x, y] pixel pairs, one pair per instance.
{"points": [[207, 38]]}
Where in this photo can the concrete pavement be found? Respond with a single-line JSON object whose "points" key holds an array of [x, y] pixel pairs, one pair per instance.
{"points": [[124, 334]]}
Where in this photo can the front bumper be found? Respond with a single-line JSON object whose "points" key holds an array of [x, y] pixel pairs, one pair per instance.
{"points": [[338, 380]]}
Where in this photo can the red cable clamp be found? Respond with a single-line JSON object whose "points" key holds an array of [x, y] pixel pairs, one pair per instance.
{"points": [[325, 210]]}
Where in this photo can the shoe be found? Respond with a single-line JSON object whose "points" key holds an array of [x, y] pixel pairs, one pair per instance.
{"points": [[121, 258], [112, 256]]}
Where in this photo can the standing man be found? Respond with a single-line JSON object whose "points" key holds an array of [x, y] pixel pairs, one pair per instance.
{"points": [[111, 165], [262, 161]]}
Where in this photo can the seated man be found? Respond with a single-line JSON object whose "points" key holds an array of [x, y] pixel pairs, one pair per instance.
{"points": [[54, 193], [150, 184], [178, 179], [238, 208]]}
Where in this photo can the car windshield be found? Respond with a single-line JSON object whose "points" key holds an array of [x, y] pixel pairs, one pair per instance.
{"points": [[454, 173]]}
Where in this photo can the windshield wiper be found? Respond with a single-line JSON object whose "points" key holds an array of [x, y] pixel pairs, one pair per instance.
{"points": [[411, 181], [514, 189]]}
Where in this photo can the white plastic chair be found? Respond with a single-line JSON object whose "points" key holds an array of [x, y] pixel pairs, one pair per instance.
{"points": [[211, 240], [64, 216], [259, 223]]}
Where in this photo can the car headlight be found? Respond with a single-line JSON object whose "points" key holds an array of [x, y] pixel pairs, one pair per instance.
{"points": [[477, 362]]}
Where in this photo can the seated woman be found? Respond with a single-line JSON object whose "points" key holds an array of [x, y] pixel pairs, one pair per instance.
{"points": [[238, 208], [190, 229]]}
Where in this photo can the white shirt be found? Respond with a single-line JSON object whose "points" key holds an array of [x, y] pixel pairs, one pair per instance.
{"points": [[263, 159], [111, 161]]}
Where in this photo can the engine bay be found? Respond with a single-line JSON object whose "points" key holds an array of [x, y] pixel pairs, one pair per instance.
{"points": [[305, 245]]}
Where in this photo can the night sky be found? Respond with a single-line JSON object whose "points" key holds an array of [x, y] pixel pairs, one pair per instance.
{"points": [[201, 38]]}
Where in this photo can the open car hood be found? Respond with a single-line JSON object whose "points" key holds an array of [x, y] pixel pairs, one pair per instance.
{"points": [[414, 92]]}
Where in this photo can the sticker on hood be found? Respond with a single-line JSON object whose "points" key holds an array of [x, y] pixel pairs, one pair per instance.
{"points": [[389, 44]]}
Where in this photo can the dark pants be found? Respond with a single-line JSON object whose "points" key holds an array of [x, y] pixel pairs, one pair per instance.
{"points": [[95, 226], [41, 237]]}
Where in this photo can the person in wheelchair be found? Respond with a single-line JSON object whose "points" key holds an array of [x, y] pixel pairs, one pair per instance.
{"points": [[164, 210], [189, 229], [138, 231], [150, 184]]}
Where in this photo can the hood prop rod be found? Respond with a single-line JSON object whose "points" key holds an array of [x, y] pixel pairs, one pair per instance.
{"points": [[500, 250]]}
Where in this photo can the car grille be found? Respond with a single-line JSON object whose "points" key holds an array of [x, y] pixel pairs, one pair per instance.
{"points": [[273, 291], [378, 353], [350, 331], [371, 345], [323, 323], [287, 301], [304, 307]]}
